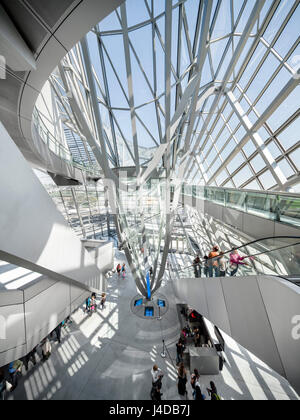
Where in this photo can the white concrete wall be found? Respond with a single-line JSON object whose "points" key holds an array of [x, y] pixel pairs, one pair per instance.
{"points": [[257, 312], [33, 232], [31, 314], [254, 226]]}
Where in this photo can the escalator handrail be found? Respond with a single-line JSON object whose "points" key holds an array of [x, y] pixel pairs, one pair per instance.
{"points": [[248, 244]]}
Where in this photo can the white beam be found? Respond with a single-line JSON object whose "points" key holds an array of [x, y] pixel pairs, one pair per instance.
{"points": [[13, 47]]}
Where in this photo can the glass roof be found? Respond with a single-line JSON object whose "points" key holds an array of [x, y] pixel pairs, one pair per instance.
{"points": [[151, 58]]}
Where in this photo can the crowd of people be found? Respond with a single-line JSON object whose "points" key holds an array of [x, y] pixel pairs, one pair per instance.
{"points": [[216, 263], [10, 374], [182, 380], [91, 304]]}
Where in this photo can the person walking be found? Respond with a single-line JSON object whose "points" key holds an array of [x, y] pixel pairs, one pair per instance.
{"points": [[213, 392], [124, 270], [182, 380]]}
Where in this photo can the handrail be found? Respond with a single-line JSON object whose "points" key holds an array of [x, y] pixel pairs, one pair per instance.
{"points": [[63, 152], [262, 192], [252, 243], [277, 206]]}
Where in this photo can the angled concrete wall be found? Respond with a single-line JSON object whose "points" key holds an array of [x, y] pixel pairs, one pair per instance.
{"points": [[30, 314], [257, 312], [34, 234]]}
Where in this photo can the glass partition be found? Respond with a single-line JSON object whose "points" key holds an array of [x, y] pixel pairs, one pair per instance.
{"points": [[279, 207]]}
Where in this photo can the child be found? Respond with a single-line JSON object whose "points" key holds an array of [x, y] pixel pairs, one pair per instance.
{"points": [[103, 300], [124, 271], [119, 269]]}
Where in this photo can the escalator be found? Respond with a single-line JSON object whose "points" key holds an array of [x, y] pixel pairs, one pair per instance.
{"points": [[259, 306]]}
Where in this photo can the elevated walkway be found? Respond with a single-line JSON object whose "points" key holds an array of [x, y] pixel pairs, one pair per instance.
{"points": [[44, 41], [256, 214]]}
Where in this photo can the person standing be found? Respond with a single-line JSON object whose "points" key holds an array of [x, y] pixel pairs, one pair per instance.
{"points": [[2, 385], [182, 380], [124, 270], [103, 300], [157, 376], [58, 333], [197, 266], [119, 268], [222, 265], [15, 369], [194, 379], [88, 304], [198, 393], [180, 349], [235, 262], [213, 392], [46, 349], [30, 357], [206, 266], [214, 263]]}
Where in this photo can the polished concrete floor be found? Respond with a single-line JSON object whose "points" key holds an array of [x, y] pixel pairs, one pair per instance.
{"points": [[110, 354]]}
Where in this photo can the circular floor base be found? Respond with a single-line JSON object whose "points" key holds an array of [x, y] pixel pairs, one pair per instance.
{"points": [[149, 309]]}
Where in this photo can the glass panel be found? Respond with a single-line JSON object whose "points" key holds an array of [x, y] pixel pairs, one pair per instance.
{"points": [[262, 205], [290, 210], [235, 200]]}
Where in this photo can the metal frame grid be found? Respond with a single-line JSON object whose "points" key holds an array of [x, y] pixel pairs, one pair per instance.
{"points": [[206, 91]]}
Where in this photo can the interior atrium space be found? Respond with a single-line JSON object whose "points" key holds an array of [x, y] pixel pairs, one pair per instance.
{"points": [[150, 202]]}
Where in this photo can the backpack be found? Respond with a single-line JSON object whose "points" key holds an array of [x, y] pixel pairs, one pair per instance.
{"points": [[215, 397]]}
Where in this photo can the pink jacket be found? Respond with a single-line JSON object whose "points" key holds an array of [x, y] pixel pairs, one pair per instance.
{"points": [[236, 259]]}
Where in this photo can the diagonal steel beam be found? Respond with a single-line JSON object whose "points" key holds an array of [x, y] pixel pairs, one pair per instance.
{"points": [[130, 86]]}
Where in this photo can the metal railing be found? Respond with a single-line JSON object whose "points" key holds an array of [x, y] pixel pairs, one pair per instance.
{"points": [[58, 148]]}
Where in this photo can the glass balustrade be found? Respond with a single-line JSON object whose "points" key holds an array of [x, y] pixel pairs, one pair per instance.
{"points": [[280, 207], [58, 148]]}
